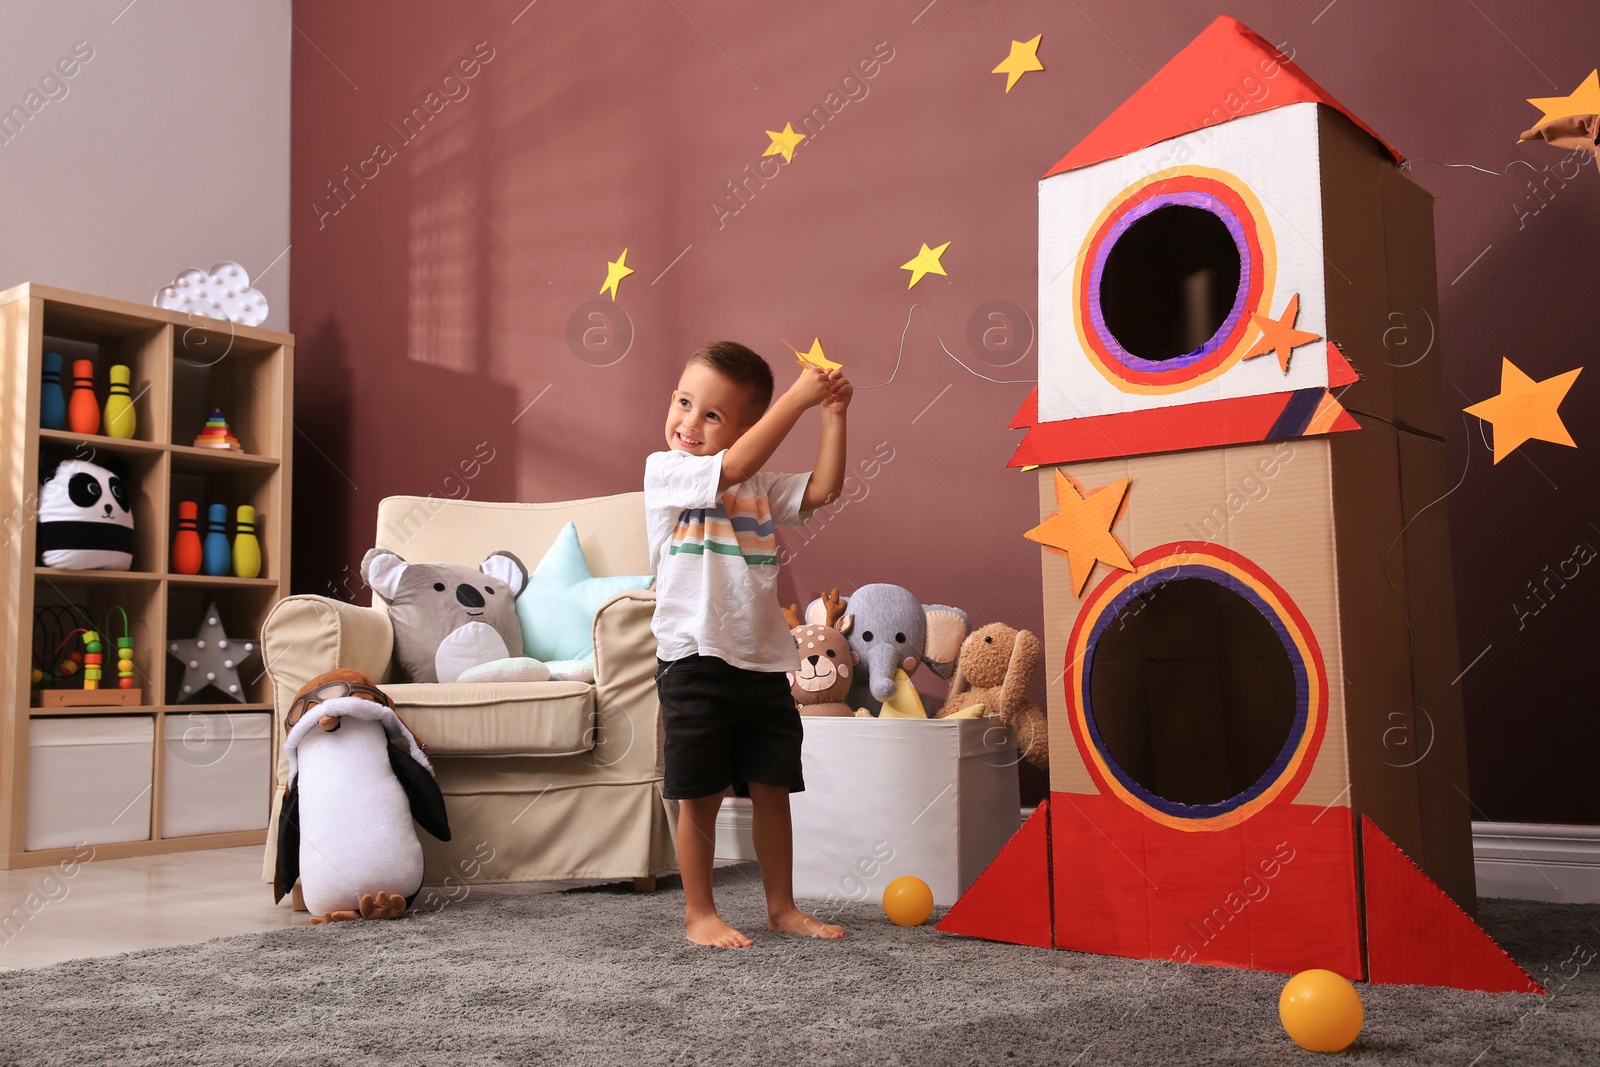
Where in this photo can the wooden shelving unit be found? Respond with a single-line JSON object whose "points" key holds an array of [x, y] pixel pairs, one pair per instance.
{"points": [[183, 365]]}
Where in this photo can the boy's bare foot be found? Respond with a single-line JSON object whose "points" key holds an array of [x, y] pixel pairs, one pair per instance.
{"points": [[795, 921], [711, 930]]}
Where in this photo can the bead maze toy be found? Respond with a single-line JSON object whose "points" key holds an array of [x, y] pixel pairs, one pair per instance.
{"points": [[72, 678]]}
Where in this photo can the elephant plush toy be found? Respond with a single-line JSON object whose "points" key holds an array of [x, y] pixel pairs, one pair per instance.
{"points": [[892, 630]]}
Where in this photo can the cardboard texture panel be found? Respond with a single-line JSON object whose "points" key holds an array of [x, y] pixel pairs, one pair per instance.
{"points": [[1417, 935], [1383, 625], [1357, 274], [1410, 340], [1437, 746], [1211, 80], [1010, 900], [1278, 892]]}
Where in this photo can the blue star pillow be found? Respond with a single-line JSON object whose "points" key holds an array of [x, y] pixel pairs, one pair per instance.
{"points": [[558, 606]]}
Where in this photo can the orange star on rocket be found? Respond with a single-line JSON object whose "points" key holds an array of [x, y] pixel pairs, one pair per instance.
{"points": [[1525, 410], [1081, 528], [1279, 335]]}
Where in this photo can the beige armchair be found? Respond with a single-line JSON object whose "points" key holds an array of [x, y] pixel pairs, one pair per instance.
{"points": [[542, 780]]}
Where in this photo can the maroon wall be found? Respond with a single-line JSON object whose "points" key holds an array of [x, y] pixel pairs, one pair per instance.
{"points": [[446, 293]]}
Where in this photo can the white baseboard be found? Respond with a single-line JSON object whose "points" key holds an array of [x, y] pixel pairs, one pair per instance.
{"points": [[733, 831], [1524, 861], [1537, 861]]}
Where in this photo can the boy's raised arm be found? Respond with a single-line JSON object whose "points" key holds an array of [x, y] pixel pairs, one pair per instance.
{"points": [[827, 477], [746, 456]]}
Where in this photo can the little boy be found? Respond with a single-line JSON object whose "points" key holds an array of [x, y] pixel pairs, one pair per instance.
{"points": [[722, 643]]}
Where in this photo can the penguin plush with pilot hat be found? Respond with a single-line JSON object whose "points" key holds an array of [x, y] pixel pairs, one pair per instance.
{"points": [[358, 780]]}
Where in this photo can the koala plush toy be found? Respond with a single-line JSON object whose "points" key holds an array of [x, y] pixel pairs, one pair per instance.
{"points": [[451, 619]]}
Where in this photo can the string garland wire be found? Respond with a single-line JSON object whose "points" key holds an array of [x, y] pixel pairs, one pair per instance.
{"points": [[910, 313]]}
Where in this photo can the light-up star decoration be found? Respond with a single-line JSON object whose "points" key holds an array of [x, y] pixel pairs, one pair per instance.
{"points": [[1081, 528], [1023, 58], [925, 262], [783, 143], [615, 272], [211, 659], [814, 358], [1278, 335], [1584, 100], [1525, 410]]}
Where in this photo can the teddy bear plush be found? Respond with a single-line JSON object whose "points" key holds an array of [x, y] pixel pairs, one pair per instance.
{"points": [[826, 662], [992, 673]]}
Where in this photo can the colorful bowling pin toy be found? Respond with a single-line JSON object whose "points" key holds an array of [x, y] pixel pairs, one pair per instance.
{"points": [[120, 418], [186, 551], [218, 557], [83, 412], [52, 399], [246, 549]]}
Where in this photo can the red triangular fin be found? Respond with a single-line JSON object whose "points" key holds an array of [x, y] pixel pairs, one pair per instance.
{"points": [[1010, 901], [1417, 935]]}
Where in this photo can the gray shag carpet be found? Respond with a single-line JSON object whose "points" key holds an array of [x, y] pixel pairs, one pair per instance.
{"points": [[602, 976]]}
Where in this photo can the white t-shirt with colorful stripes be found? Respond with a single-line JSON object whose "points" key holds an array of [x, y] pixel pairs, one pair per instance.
{"points": [[715, 558]]}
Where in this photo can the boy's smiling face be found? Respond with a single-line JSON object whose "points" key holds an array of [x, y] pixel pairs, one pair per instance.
{"points": [[707, 412]]}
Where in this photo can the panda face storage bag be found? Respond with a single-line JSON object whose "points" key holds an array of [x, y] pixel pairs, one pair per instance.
{"points": [[84, 519]]}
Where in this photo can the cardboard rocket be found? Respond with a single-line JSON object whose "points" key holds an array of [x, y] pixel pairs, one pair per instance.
{"points": [[1257, 756]]}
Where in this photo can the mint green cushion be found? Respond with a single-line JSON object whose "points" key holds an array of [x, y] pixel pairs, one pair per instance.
{"points": [[558, 606]]}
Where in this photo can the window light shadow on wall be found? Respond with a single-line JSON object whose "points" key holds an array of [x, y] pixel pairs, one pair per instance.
{"points": [[443, 246]]}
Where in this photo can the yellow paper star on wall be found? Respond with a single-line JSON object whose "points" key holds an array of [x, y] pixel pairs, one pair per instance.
{"points": [[1081, 528], [925, 262], [615, 272], [1279, 335], [1525, 410], [814, 358], [784, 142], [1585, 100], [1023, 58]]}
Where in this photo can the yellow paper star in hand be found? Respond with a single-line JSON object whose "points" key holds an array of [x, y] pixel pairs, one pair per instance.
{"points": [[784, 142], [925, 262], [814, 358], [1585, 100], [1279, 335], [1081, 528], [1023, 58], [615, 272], [1525, 410]]}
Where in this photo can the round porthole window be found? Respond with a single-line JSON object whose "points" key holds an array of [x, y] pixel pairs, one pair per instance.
{"points": [[1195, 687], [1167, 278]]}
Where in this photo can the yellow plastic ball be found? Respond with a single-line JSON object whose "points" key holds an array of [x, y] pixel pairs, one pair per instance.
{"points": [[37, 676], [124, 664], [908, 901], [1321, 1011]]}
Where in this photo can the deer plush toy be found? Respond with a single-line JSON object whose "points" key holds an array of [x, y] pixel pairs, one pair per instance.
{"points": [[826, 662], [993, 671]]}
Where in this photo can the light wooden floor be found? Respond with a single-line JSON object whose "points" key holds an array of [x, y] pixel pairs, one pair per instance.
{"points": [[104, 907]]}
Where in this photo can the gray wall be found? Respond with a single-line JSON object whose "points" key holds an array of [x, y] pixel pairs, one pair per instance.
{"points": [[167, 149]]}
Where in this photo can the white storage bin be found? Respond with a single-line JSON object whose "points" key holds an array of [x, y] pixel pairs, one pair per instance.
{"points": [[937, 798], [215, 771], [89, 780]]}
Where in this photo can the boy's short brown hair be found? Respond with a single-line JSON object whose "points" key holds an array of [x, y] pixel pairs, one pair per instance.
{"points": [[742, 367]]}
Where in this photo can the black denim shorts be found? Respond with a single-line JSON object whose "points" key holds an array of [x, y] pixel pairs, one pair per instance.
{"points": [[726, 726]]}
